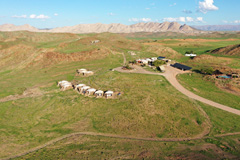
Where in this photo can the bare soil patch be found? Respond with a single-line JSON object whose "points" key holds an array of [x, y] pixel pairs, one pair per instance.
{"points": [[33, 92]]}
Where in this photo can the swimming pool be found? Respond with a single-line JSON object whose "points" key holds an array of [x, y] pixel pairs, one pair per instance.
{"points": [[224, 76]]}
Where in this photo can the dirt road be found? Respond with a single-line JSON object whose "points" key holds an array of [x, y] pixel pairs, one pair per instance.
{"points": [[170, 75], [112, 136]]}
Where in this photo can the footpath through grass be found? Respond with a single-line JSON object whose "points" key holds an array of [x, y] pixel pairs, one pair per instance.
{"points": [[88, 147]]}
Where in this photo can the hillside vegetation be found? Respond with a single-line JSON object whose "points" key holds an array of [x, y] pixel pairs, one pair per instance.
{"points": [[232, 50], [34, 111]]}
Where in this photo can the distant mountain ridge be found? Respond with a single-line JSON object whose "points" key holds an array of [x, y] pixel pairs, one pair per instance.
{"points": [[218, 27], [113, 28]]}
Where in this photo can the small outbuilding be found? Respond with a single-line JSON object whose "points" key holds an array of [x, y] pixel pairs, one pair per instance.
{"points": [[90, 91], [181, 66], [190, 55], [161, 58], [144, 61], [108, 94], [95, 41], [78, 86], [88, 73], [161, 68], [80, 71], [83, 89], [98, 94], [66, 87]]}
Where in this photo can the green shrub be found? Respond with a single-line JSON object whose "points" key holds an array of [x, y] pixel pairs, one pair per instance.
{"points": [[207, 70], [158, 63]]}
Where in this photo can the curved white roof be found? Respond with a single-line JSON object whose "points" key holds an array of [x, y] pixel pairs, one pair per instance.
{"points": [[109, 92], [99, 91], [86, 87], [91, 90], [82, 69], [89, 72], [80, 85]]}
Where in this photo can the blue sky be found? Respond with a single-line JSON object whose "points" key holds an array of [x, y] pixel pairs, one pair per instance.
{"points": [[58, 13]]}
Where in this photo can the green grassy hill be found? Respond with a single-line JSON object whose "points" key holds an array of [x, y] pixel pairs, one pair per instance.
{"points": [[149, 106]]}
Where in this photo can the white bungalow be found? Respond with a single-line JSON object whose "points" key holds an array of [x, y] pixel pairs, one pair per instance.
{"points": [[144, 61], [90, 91], [80, 71], [154, 59], [190, 55], [148, 59], [98, 93], [84, 89], [95, 41], [88, 73], [108, 94], [66, 87], [77, 87], [61, 82]]}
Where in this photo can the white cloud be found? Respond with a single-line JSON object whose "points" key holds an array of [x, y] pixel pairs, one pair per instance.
{"points": [[199, 19], [140, 19], [55, 14], [22, 16], [207, 5], [236, 21], [32, 16], [187, 11], [183, 19], [41, 16], [174, 4], [189, 19], [111, 14], [147, 8], [171, 19], [224, 21]]}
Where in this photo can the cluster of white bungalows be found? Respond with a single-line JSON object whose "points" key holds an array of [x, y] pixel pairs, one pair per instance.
{"points": [[88, 91], [147, 60], [85, 90], [84, 72], [65, 85], [150, 61]]}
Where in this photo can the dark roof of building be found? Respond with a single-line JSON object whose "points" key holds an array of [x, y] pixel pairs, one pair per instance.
{"points": [[181, 66], [160, 57]]}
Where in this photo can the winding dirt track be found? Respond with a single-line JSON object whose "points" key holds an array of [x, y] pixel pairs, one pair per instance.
{"points": [[170, 75], [112, 136]]}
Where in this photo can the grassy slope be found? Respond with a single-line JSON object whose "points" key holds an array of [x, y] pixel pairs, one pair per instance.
{"points": [[195, 83], [196, 46], [145, 109], [83, 147], [149, 107], [87, 147]]}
